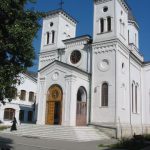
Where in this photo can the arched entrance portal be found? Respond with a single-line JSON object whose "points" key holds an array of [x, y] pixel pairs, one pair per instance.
{"points": [[54, 105], [81, 115]]}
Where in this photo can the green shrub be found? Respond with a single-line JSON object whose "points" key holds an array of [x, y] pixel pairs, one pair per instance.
{"points": [[130, 144]]}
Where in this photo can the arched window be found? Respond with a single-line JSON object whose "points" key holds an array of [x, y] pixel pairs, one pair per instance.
{"points": [[136, 98], [81, 111], [81, 95], [101, 25], [104, 98], [11, 92], [109, 24], [23, 95], [53, 36], [9, 113], [132, 97], [47, 37], [31, 96]]}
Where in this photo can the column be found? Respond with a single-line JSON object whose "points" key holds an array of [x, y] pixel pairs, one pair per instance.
{"points": [[70, 101], [40, 99], [105, 25]]}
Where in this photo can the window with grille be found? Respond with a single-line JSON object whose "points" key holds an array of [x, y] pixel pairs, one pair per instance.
{"points": [[23, 95], [75, 57], [31, 96], [11, 92], [9, 113]]}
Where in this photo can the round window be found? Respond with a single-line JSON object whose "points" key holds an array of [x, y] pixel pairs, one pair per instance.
{"points": [[51, 24], [105, 9], [75, 57]]}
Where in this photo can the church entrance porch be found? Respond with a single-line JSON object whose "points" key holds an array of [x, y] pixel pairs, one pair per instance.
{"points": [[54, 105]]}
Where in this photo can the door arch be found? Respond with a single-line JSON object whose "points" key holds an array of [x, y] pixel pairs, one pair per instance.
{"points": [[81, 112], [54, 105]]}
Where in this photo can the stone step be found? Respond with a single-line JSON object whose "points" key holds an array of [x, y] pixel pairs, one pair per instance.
{"points": [[80, 134]]}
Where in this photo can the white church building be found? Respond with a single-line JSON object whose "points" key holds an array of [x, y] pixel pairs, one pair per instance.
{"points": [[100, 80]]}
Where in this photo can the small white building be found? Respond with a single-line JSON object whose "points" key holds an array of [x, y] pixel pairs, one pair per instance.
{"points": [[22, 105], [103, 80]]}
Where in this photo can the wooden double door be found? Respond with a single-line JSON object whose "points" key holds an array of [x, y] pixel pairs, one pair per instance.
{"points": [[81, 115], [54, 105]]}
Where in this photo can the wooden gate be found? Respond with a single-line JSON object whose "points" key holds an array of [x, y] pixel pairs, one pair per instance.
{"points": [[81, 114], [54, 106]]}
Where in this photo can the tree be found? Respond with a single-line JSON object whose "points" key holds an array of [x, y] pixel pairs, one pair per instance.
{"points": [[18, 27]]}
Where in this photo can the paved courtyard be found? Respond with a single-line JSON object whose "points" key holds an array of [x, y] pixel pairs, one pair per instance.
{"points": [[25, 143]]}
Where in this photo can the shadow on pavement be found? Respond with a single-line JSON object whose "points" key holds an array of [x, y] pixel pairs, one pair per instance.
{"points": [[5, 143]]}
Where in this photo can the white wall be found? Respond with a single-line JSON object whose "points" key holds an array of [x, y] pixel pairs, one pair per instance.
{"points": [[133, 35], [103, 72], [146, 95], [123, 89], [29, 85]]}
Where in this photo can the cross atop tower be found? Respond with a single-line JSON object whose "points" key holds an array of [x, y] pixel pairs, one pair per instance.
{"points": [[61, 4]]}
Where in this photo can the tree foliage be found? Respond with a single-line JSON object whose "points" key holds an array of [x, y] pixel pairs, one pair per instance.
{"points": [[18, 27]]}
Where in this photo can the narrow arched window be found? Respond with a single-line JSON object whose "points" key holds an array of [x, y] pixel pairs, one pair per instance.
{"points": [[104, 94], [109, 24], [48, 37], [136, 98], [132, 97], [23, 95], [101, 25], [53, 36]]}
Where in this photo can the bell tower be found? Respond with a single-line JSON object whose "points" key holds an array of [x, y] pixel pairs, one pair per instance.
{"points": [[57, 26], [110, 20]]}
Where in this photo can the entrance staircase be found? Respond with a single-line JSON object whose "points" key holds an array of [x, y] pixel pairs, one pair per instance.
{"points": [[78, 134]]}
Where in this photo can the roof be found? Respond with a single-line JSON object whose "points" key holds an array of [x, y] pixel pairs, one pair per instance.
{"points": [[82, 37], [131, 18], [65, 64], [62, 12], [146, 63], [32, 75]]}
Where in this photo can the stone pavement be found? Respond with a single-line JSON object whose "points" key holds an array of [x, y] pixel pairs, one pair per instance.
{"points": [[25, 143]]}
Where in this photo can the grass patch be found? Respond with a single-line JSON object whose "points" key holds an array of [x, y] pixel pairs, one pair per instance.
{"points": [[4, 127]]}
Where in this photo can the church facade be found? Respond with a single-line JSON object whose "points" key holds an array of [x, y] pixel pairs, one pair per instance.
{"points": [[101, 81]]}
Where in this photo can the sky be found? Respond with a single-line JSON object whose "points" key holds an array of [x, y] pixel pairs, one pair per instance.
{"points": [[82, 11]]}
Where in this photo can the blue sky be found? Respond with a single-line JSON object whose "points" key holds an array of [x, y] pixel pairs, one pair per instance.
{"points": [[82, 10]]}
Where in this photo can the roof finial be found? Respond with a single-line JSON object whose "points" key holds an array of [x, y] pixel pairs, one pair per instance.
{"points": [[61, 4]]}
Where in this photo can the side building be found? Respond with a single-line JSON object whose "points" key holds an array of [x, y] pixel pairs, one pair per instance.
{"points": [[23, 101]]}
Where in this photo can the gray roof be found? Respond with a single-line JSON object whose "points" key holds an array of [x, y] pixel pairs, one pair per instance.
{"points": [[82, 37], [63, 12], [31, 74], [131, 16]]}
